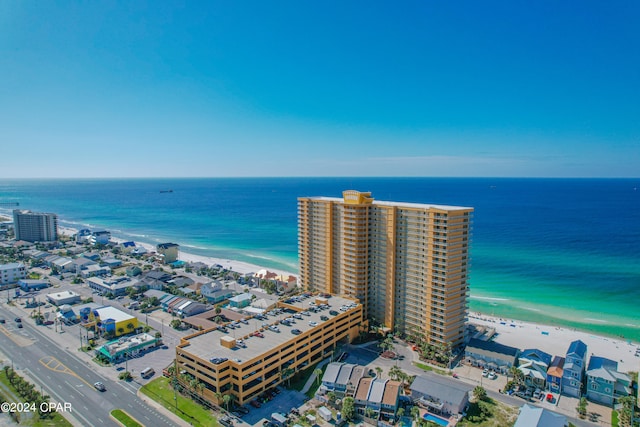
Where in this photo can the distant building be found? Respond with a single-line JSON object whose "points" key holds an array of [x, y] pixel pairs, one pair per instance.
{"points": [[168, 251], [532, 416], [12, 272], [35, 226], [125, 348], [240, 301], [100, 237], [63, 297], [109, 319], [30, 285], [115, 285], [574, 369]]}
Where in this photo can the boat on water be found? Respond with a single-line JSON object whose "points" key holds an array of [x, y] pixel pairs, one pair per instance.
{"points": [[166, 191]]}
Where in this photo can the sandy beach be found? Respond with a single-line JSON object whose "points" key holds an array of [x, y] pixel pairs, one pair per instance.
{"points": [[555, 340], [229, 264]]}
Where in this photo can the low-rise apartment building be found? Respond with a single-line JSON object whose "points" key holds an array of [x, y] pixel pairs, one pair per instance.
{"points": [[246, 358], [12, 272]]}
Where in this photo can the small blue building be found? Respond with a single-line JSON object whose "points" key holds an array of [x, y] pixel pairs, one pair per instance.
{"points": [[30, 285]]}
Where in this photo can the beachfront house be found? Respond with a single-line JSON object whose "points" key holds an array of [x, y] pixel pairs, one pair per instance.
{"points": [[605, 384], [491, 355], [554, 374], [215, 292], [532, 416], [101, 237], [534, 364], [439, 394], [574, 369], [169, 252]]}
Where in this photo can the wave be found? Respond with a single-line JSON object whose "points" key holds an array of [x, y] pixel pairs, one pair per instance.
{"points": [[591, 319], [489, 298], [529, 308]]}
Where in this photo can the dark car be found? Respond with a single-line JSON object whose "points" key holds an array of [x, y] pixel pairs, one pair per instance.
{"points": [[18, 320], [296, 331], [333, 312], [324, 318], [20, 325], [2, 321], [255, 404]]}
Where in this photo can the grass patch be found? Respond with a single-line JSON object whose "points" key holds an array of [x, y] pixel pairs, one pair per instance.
{"points": [[161, 391], [316, 384], [489, 414], [300, 379], [431, 368], [124, 418], [54, 419], [614, 419]]}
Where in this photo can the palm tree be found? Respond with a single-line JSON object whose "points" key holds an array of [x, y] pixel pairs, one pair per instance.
{"points": [[318, 373], [226, 399], [415, 413], [395, 373], [400, 412], [130, 326], [120, 330], [480, 393], [379, 371], [287, 374]]}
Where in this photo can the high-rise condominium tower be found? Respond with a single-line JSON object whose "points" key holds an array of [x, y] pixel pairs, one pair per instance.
{"points": [[405, 262], [35, 226]]}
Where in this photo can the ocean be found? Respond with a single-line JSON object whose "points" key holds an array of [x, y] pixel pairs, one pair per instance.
{"points": [[564, 252]]}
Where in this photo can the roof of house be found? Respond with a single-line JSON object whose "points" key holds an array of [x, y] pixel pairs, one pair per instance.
{"points": [[11, 266], [577, 348], [536, 354], [491, 347], [391, 393], [109, 312], [331, 373], [362, 392], [357, 372], [166, 245], [555, 369], [377, 390], [597, 362], [532, 416], [434, 385], [345, 373], [158, 275], [241, 297]]}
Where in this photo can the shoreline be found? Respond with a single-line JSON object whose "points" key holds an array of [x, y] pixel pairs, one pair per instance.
{"points": [[230, 264], [555, 340]]}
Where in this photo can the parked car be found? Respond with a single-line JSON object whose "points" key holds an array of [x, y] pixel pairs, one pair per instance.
{"points": [[255, 403]]}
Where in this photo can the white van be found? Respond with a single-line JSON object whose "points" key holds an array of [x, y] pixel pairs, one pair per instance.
{"points": [[147, 372]]}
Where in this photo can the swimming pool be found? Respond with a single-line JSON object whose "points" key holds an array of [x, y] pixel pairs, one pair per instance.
{"points": [[437, 420]]}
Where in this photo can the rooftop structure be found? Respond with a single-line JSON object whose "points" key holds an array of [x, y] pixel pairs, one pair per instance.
{"points": [[405, 262], [260, 350]]}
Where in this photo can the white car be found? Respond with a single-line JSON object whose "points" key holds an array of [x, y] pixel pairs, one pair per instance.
{"points": [[99, 386], [485, 373], [313, 323]]}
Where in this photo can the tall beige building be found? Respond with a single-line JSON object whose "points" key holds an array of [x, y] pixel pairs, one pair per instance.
{"points": [[407, 263]]}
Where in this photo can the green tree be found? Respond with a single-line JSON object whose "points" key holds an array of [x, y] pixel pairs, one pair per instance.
{"points": [[415, 413], [582, 407], [379, 371], [348, 408], [226, 400], [626, 411], [120, 330], [479, 393], [400, 412], [130, 326], [331, 397], [318, 373], [287, 373], [369, 412]]}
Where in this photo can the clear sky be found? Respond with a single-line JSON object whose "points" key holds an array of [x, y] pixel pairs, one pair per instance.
{"points": [[330, 88]]}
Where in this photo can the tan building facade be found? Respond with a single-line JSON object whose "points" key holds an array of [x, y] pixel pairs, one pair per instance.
{"points": [[248, 357], [407, 263]]}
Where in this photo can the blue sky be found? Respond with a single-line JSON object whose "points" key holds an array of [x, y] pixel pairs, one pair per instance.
{"points": [[136, 89]]}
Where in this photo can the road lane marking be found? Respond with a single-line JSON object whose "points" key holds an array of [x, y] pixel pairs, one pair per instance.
{"points": [[55, 365]]}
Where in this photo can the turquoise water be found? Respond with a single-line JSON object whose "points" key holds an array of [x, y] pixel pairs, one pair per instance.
{"points": [[560, 251]]}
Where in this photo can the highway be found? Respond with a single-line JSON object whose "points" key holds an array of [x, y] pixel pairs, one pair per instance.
{"points": [[66, 378]]}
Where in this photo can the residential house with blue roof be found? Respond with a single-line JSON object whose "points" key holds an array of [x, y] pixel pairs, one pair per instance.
{"points": [[605, 384], [573, 371], [534, 364]]}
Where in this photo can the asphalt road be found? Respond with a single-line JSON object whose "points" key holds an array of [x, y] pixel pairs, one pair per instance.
{"points": [[68, 379]]}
